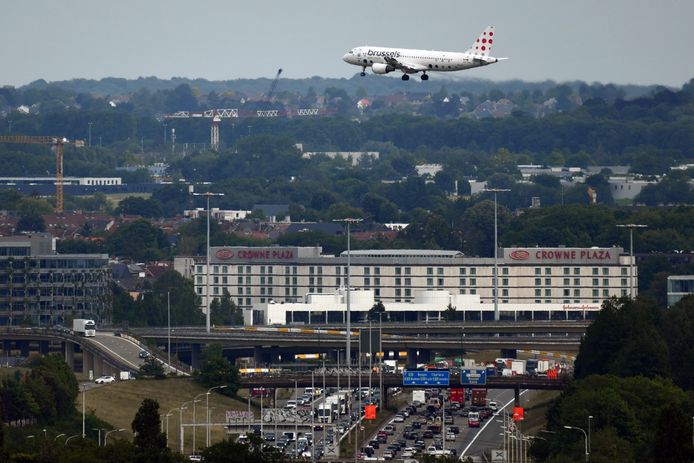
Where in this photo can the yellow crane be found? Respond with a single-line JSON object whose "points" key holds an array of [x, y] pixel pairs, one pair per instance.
{"points": [[57, 144]]}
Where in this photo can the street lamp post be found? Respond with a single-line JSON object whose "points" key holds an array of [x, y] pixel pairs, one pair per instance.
{"points": [[180, 422], [90, 133], [585, 436], [111, 431], [84, 409], [207, 261], [207, 412], [631, 227], [168, 330], [496, 251], [590, 419], [99, 437], [195, 428]]}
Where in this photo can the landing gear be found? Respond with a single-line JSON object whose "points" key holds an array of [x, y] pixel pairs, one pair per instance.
{"points": [[405, 77], [363, 71], [425, 77]]}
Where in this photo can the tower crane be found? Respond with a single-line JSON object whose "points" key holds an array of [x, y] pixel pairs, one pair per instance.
{"points": [[273, 86], [215, 114], [57, 144]]}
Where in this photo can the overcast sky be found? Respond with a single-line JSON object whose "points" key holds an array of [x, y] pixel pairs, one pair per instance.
{"points": [[619, 41]]}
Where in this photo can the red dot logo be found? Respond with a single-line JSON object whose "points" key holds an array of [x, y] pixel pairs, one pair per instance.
{"points": [[483, 48], [519, 254], [224, 254], [484, 40], [490, 41], [491, 33]]}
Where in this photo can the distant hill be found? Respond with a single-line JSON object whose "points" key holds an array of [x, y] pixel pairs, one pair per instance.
{"points": [[371, 84]]}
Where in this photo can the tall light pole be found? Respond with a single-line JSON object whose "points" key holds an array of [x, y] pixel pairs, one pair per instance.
{"points": [[207, 261], [496, 251], [195, 428], [585, 436], [168, 324], [90, 133], [590, 419], [207, 412], [84, 409], [631, 227]]}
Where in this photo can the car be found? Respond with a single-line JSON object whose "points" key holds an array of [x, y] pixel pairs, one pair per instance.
{"points": [[494, 406], [398, 418], [450, 436], [143, 354], [195, 457], [105, 380], [374, 443]]}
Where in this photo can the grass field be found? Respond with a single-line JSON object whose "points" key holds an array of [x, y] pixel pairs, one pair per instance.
{"points": [[118, 403], [116, 198]]}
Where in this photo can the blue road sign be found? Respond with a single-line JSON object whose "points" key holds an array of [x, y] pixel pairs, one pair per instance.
{"points": [[473, 377], [426, 378]]}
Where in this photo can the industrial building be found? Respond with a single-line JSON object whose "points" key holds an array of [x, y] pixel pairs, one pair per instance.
{"points": [[38, 286], [530, 279]]}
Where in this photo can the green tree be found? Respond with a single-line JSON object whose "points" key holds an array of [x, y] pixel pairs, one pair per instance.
{"points": [[377, 312], [152, 368], [450, 313], [149, 441], [139, 240], [31, 223], [134, 205], [217, 370]]}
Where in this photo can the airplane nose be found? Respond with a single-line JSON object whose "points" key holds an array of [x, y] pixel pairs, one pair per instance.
{"points": [[345, 57]]}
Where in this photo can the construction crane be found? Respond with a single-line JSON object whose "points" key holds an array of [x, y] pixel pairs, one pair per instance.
{"points": [[273, 86], [57, 144], [215, 114]]}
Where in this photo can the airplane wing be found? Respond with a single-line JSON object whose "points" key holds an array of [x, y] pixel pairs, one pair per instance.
{"points": [[403, 66]]}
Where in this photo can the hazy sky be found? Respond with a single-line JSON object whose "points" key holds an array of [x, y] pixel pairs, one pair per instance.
{"points": [[620, 41]]}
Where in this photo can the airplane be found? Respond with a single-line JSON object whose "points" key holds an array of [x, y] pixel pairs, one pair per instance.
{"points": [[384, 60]]}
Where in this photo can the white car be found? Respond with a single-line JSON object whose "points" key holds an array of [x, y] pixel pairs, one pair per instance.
{"points": [[494, 406], [105, 380]]}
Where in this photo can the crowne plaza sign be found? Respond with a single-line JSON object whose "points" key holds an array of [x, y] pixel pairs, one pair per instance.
{"points": [[563, 255]]}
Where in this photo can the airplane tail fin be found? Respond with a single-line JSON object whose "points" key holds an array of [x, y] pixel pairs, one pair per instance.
{"points": [[483, 44]]}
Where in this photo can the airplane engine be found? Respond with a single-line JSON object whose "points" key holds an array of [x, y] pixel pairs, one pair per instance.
{"points": [[380, 68]]}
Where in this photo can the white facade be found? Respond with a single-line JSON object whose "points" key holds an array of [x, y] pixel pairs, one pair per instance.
{"points": [[425, 307], [527, 276], [626, 188]]}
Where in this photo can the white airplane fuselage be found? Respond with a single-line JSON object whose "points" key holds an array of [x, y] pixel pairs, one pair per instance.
{"points": [[428, 60]]}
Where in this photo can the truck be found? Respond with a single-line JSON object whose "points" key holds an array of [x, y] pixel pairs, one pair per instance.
{"points": [[419, 396], [473, 420], [83, 327], [126, 375], [518, 367], [479, 397], [327, 411]]}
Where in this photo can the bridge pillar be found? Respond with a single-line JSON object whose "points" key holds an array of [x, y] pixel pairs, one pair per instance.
{"points": [[44, 347], [98, 363], [509, 353], [88, 363], [69, 353], [195, 350], [24, 348]]}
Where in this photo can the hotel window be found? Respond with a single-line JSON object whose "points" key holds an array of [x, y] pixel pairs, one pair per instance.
{"points": [[397, 282], [269, 280], [337, 281], [248, 291], [199, 290], [548, 270], [225, 269], [595, 271], [262, 280], [548, 292], [473, 291], [199, 280], [248, 301], [538, 293], [566, 281], [397, 292], [377, 282], [473, 282], [430, 271], [398, 270], [286, 291], [439, 271], [504, 270], [294, 291], [538, 271], [504, 292], [320, 270], [567, 293], [262, 270], [462, 291], [215, 280], [367, 271], [408, 281], [408, 270], [624, 271], [200, 269], [248, 280], [473, 271], [605, 293], [225, 280], [462, 270], [377, 270], [430, 282], [286, 270], [596, 293], [439, 281], [504, 282], [286, 281], [567, 270], [367, 282], [624, 292], [462, 282], [311, 282], [596, 282], [605, 282], [538, 281], [312, 271], [262, 291], [294, 270], [240, 291], [577, 270], [337, 270], [577, 293], [320, 281], [605, 271], [577, 282], [269, 269], [248, 269], [408, 292], [294, 281], [548, 282], [240, 300], [624, 281]]}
